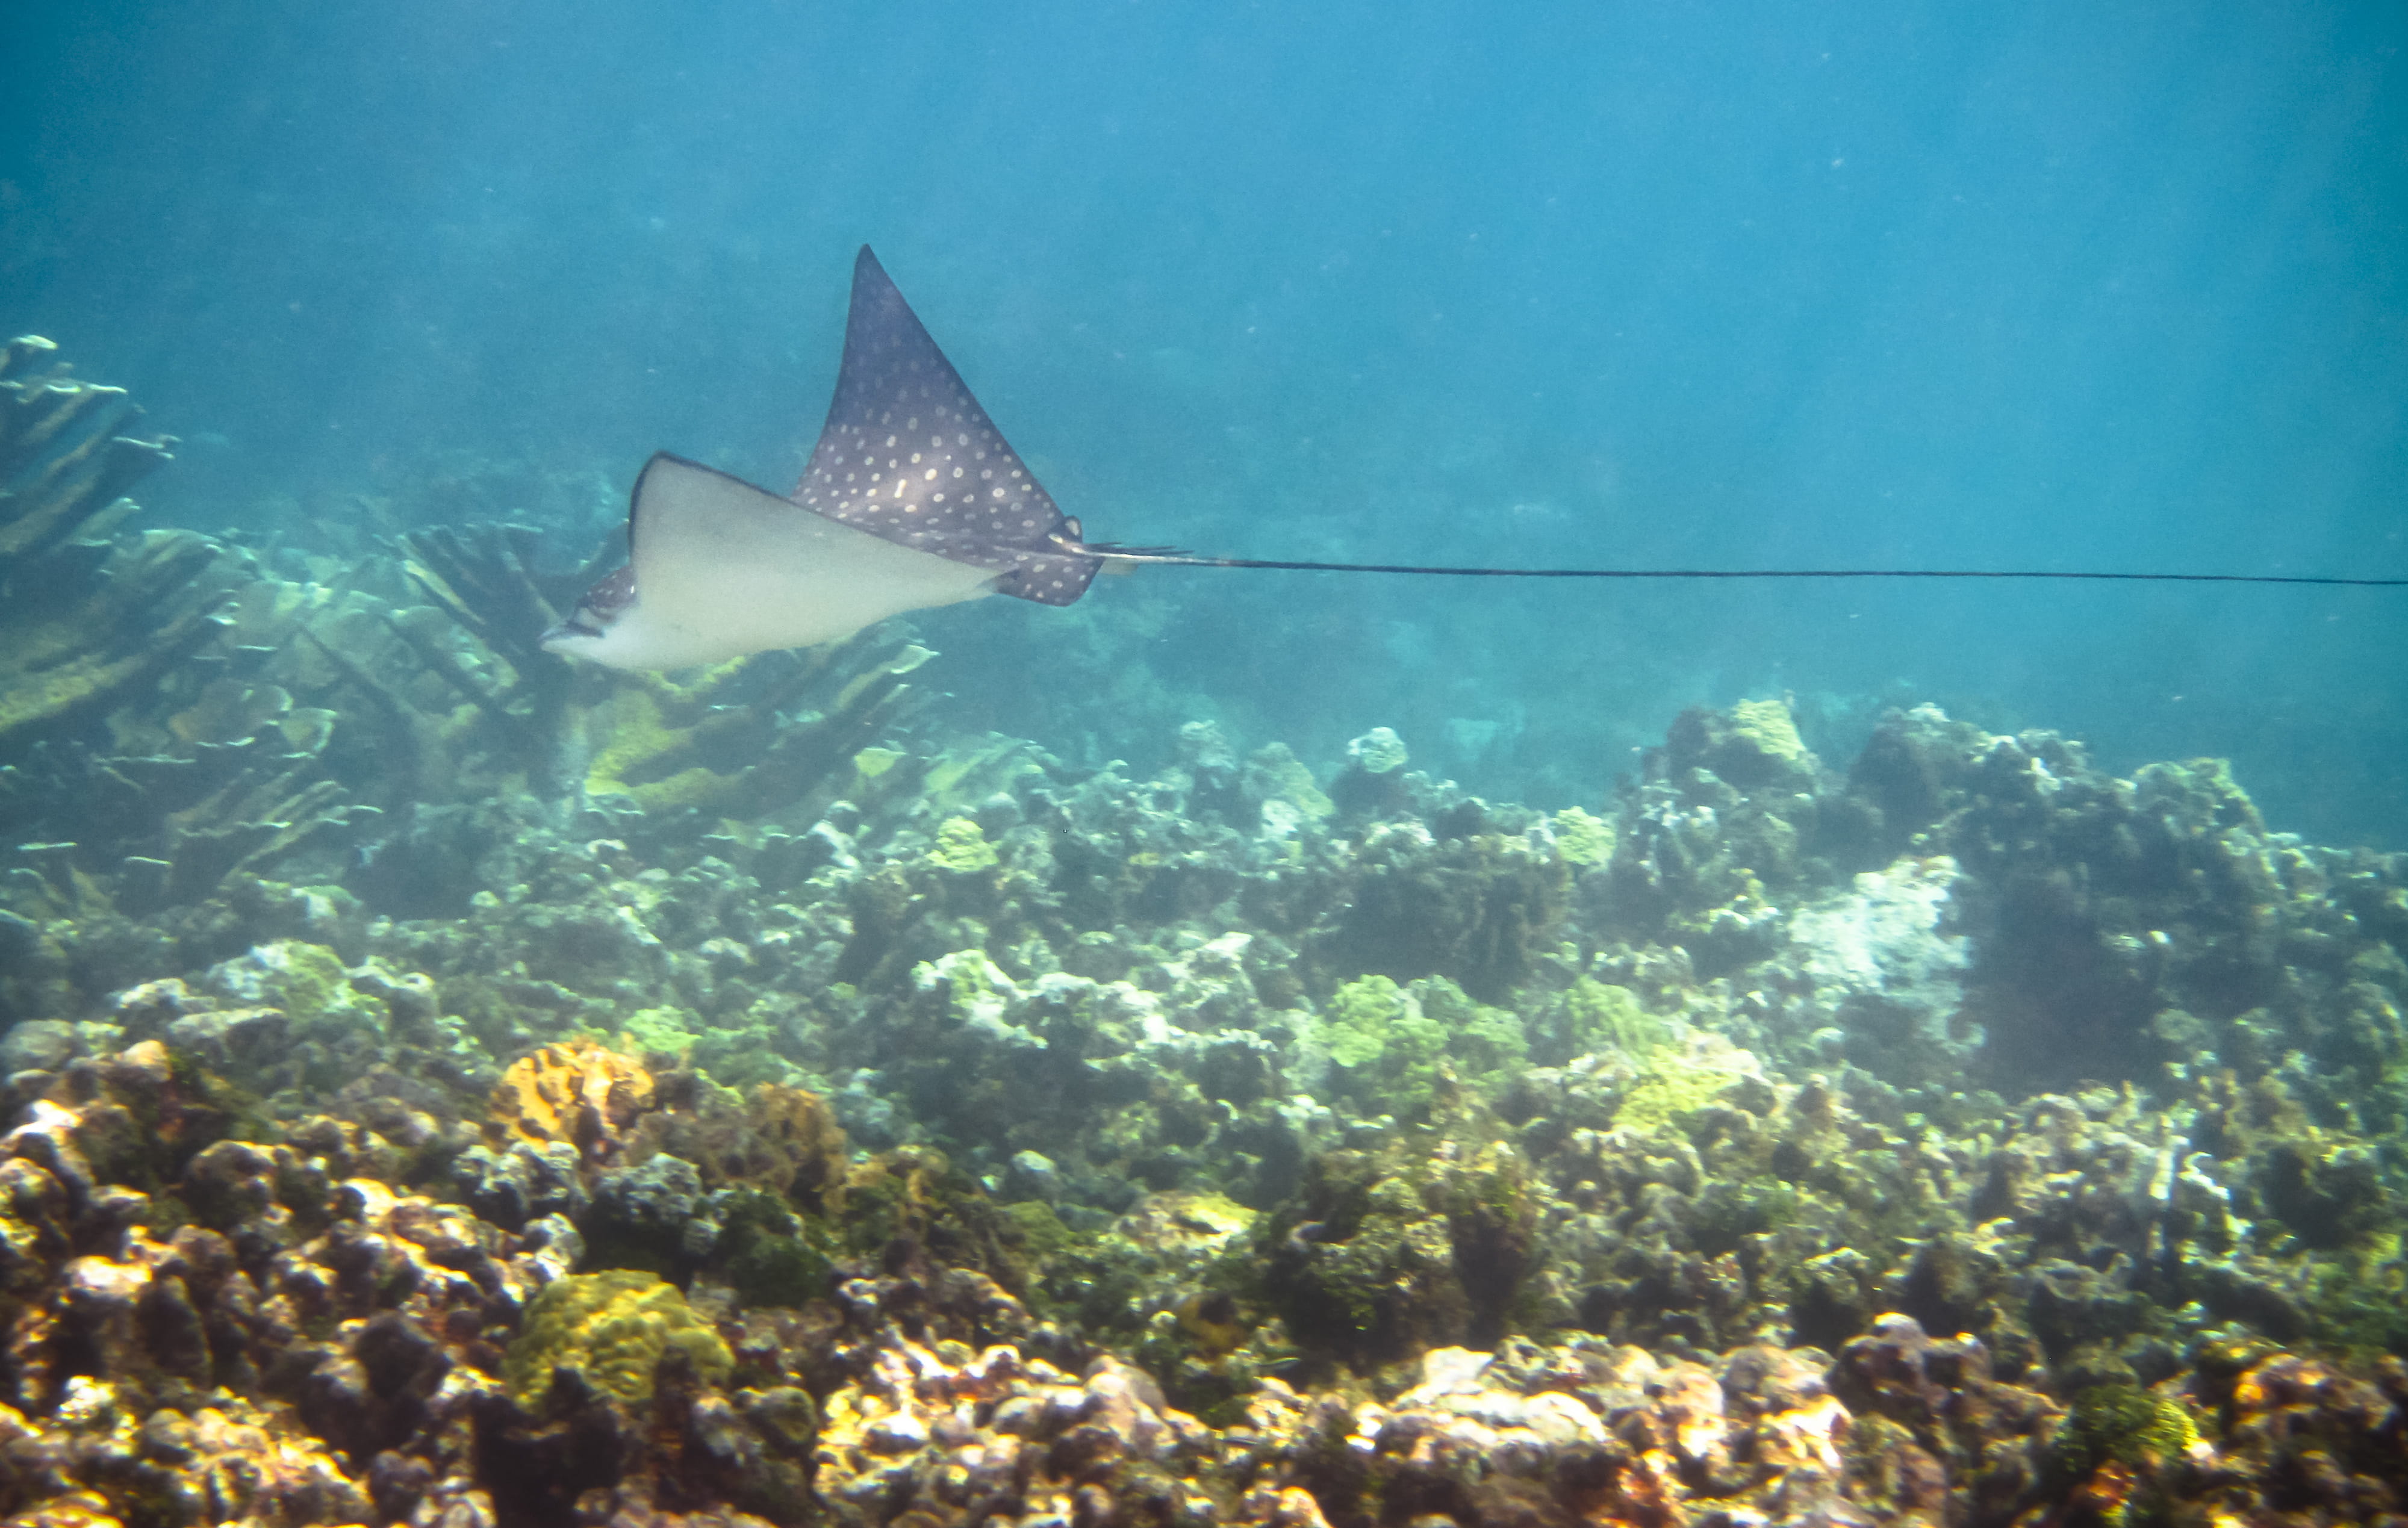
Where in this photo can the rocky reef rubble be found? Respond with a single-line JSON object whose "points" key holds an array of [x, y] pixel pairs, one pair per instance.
{"points": [[307, 1328], [1038, 1147]]}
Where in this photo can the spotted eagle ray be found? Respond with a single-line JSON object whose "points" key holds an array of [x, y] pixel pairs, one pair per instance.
{"points": [[913, 499]]}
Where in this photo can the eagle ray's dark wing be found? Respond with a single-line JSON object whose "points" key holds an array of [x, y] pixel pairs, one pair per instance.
{"points": [[908, 454]]}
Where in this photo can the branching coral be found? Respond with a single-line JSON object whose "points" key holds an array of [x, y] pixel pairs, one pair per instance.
{"points": [[85, 622], [82, 639], [63, 462]]}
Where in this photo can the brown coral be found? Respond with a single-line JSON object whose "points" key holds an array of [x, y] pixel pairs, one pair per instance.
{"points": [[784, 1140]]}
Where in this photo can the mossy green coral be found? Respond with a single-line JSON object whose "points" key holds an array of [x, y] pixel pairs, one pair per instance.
{"points": [[1042, 1234], [1281, 776], [1378, 751], [612, 1328], [1358, 1017], [965, 773], [303, 980], [309, 982], [1485, 1043], [976, 986], [739, 1052], [646, 747]]}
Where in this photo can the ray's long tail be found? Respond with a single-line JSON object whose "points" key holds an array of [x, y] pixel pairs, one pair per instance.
{"points": [[1173, 557]]}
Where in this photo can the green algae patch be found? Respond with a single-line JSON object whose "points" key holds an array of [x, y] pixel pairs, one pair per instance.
{"points": [[612, 1329], [2140, 1436]]}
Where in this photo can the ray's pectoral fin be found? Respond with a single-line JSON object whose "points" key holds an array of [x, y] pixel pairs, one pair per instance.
{"points": [[720, 568]]}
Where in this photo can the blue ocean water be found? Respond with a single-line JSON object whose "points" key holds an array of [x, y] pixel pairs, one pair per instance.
{"points": [[1769, 285]]}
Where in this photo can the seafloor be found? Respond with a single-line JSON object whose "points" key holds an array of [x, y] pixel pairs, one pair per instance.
{"points": [[450, 1087]]}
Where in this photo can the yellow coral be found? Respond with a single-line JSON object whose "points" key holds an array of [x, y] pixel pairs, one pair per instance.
{"points": [[612, 1328], [576, 1093]]}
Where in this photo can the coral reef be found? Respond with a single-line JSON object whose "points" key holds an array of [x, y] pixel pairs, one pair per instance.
{"points": [[444, 1087]]}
